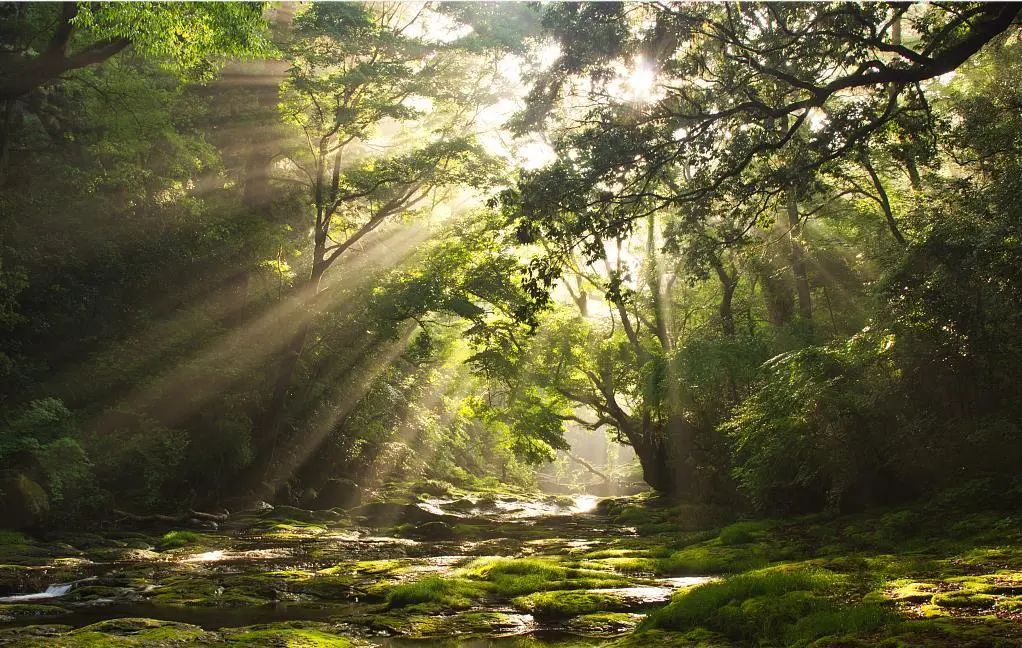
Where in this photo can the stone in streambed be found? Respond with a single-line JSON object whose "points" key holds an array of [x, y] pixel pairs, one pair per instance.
{"points": [[340, 493], [474, 623], [603, 623], [297, 633], [433, 531], [12, 611]]}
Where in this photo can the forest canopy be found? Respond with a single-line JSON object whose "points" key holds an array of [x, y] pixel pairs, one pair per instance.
{"points": [[273, 250]]}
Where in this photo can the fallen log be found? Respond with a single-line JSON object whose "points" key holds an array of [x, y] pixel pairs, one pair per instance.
{"points": [[191, 517]]}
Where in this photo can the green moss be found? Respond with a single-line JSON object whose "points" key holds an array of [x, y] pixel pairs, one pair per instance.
{"points": [[632, 514], [631, 565], [462, 624], [510, 577], [125, 633], [708, 558], [11, 611], [698, 638], [378, 567], [319, 584], [294, 635], [940, 632], [769, 605], [198, 591], [908, 591], [603, 623], [964, 599], [451, 593], [741, 533], [177, 539], [568, 603]]}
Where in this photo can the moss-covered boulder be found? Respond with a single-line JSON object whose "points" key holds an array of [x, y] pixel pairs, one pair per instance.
{"points": [[561, 604], [287, 635], [14, 611], [474, 623], [603, 623], [203, 591], [127, 633]]}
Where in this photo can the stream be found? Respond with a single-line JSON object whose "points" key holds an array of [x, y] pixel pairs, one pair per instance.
{"points": [[339, 568]]}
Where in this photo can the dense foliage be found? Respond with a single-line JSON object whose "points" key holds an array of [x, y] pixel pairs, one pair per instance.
{"points": [[291, 252]]}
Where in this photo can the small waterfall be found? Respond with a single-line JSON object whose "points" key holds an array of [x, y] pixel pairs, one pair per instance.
{"points": [[53, 591]]}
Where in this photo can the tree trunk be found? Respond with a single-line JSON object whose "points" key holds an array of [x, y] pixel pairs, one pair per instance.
{"points": [[655, 283], [727, 315], [7, 114], [728, 284], [799, 269], [268, 430], [777, 293], [913, 173], [656, 468], [885, 201], [665, 455]]}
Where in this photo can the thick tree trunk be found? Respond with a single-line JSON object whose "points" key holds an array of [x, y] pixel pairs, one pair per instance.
{"points": [[665, 455], [656, 467]]}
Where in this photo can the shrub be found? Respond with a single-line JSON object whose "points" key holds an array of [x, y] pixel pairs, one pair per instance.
{"points": [[816, 426]]}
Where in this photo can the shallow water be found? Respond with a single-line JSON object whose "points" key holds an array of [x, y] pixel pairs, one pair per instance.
{"points": [[546, 527], [53, 591]]}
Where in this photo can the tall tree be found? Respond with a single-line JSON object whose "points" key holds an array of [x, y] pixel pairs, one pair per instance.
{"points": [[359, 72]]}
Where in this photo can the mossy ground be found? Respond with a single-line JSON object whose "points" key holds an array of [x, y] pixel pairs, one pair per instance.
{"points": [[944, 573]]}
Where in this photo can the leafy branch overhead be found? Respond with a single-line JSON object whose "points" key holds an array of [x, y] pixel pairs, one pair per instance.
{"points": [[193, 38], [753, 100]]}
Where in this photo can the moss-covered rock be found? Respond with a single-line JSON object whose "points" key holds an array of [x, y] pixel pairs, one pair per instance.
{"points": [[476, 623], [603, 623], [12, 611], [561, 604], [441, 593], [287, 635], [190, 590], [127, 633]]}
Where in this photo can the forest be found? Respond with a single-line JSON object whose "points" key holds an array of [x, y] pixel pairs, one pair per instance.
{"points": [[511, 324]]}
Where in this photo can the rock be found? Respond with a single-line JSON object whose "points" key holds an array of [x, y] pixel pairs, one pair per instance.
{"points": [[136, 632], [12, 611], [603, 623], [434, 531], [463, 505], [289, 633], [32, 635], [247, 504], [340, 493], [386, 513], [284, 512], [561, 604]]}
